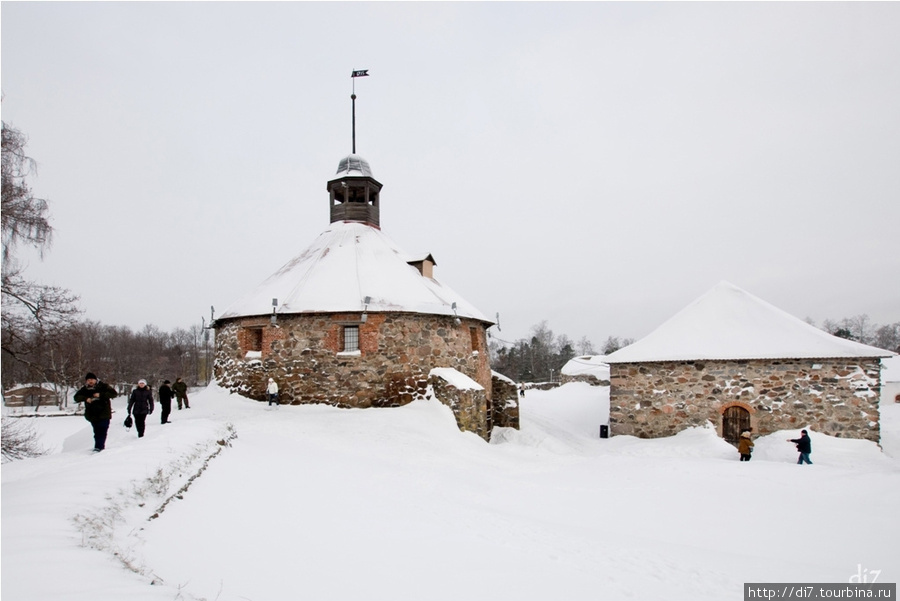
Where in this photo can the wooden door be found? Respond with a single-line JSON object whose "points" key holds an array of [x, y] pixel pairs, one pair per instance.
{"points": [[734, 421]]}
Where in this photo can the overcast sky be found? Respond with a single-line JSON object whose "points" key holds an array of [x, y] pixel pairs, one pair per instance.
{"points": [[595, 165]]}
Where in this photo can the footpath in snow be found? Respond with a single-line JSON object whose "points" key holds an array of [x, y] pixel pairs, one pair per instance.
{"points": [[235, 501]]}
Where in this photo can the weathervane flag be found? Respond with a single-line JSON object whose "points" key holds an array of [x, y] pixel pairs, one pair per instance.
{"points": [[360, 73]]}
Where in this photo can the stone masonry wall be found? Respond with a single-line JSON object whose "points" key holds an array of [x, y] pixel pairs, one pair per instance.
{"points": [[303, 354], [468, 405], [587, 378], [838, 397], [504, 402]]}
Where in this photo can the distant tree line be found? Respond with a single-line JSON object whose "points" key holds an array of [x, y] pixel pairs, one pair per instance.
{"points": [[541, 357], [861, 329], [118, 355]]}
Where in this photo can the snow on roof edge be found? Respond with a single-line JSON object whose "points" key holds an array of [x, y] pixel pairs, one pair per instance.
{"points": [[726, 323]]}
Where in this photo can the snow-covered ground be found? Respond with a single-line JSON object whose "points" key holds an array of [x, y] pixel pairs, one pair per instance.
{"points": [[315, 502]]}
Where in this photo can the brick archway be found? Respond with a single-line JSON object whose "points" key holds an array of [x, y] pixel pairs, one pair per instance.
{"points": [[725, 406], [731, 411]]}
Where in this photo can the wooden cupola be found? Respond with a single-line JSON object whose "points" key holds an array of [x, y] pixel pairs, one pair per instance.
{"points": [[354, 193]]}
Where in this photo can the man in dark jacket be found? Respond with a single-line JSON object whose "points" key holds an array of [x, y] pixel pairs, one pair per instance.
{"points": [[180, 389], [804, 445], [97, 409], [165, 401], [140, 405]]}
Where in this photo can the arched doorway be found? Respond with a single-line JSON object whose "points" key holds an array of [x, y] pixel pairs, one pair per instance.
{"points": [[735, 419]]}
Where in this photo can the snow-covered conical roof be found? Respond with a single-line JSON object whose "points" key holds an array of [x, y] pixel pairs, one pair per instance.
{"points": [[346, 263], [730, 323]]}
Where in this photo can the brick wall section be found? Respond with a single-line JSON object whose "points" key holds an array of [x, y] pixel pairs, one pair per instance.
{"points": [[247, 335], [838, 397], [397, 352]]}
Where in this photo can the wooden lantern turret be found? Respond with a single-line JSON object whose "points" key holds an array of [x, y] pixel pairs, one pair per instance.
{"points": [[354, 193]]}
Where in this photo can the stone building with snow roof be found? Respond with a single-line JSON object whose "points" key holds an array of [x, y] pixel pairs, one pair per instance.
{"points": [[354, 321], [733, 360]]}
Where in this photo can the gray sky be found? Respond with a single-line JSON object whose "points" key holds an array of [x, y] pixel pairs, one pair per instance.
{"points": [[597, 165]]}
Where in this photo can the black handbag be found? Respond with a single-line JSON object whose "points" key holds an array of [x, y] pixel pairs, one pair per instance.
{"points": [[129, 422]]}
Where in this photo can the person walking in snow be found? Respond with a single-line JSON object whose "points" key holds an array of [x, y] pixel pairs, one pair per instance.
{"points": [[180, 389], [272, 389], [140, 405], [804, 445], [97, 409], [745, 446], [165, 402]]}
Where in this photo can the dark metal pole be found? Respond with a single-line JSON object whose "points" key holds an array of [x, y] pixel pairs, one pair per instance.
{"points": [[353, 98]]}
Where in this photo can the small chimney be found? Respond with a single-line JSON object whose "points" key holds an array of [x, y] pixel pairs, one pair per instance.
{"points": [[425, 266]]}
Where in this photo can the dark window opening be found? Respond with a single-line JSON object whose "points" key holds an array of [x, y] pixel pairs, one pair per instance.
{"points": [[357, 195], [254, 339]]}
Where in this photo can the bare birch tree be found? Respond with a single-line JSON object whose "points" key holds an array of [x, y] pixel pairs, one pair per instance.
{"points": [[33, 315]]}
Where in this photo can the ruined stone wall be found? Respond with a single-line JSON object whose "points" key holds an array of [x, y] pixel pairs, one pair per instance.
{"points": [[504, 402], [303, 354], [541, 385], [587, 378], [469, 405], [838, 397]]}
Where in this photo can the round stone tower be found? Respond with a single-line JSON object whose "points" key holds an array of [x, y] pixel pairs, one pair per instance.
{"points": [[355, 321]]}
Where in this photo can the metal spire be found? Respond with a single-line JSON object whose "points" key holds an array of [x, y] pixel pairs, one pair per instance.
{"points": [[353, 76]]}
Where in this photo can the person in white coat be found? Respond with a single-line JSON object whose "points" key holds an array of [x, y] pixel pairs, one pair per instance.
{"points": [[272, 389]]}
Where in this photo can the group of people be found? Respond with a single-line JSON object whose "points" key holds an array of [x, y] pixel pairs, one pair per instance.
{"points": [[804, 446], [96, 396]]}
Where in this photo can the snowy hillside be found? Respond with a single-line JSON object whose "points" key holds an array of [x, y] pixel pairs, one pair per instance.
{"points": [[315, 502]]}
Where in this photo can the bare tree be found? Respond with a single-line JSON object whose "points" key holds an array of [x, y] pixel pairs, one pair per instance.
{"points": [[861, 328], [586, 347], [25, 218], [614, 343], [19, 440], [852, 328], [33, 315], [888, 337]]}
